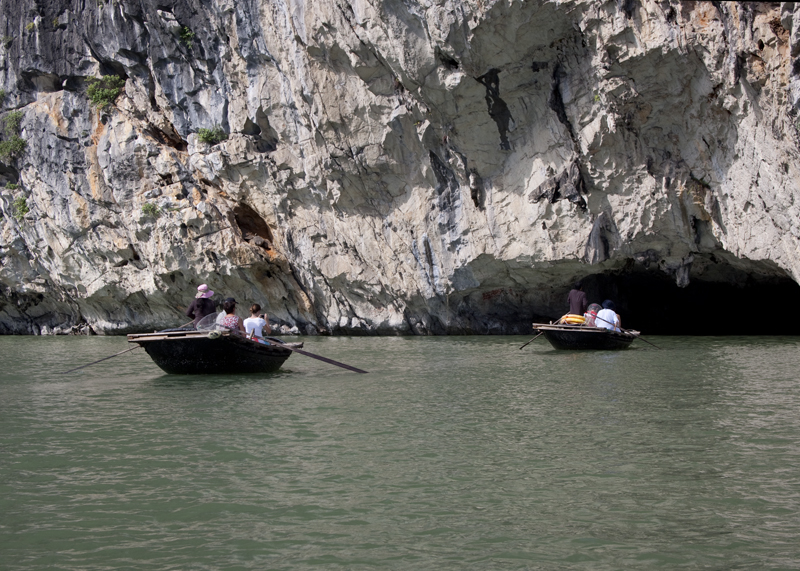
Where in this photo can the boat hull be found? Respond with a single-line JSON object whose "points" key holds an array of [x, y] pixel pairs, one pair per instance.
{"points": [[577, 338], [197, 352]]}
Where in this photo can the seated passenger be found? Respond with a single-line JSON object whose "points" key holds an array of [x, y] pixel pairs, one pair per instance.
{"points": [[591, 314], [607, 317], [231, 320], [256, 324], [201, 304]]}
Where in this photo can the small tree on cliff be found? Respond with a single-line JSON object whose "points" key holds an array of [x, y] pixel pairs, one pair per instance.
{"points": [[104, 90], [212, 136], [12, 144], [20, 208]]}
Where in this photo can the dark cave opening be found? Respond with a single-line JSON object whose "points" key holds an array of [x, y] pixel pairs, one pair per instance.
{"points": [[652, 303], [254, 228]]}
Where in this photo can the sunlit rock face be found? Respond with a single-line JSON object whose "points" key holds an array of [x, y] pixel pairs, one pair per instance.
{"points": [[396, 167]]}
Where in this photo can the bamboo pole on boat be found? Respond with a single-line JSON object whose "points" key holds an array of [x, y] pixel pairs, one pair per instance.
{"points": [[280, 343], [628, 331], [100, 360], [532, 340], [110, 356]]}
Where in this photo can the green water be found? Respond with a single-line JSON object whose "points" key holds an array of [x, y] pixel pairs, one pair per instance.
{"points": [[453, 453]]}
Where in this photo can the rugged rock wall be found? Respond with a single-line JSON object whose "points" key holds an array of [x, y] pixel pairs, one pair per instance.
{"points": [[390, 166]]}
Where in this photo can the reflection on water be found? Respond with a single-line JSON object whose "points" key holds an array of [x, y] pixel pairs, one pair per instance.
{"points": [[453, 453]]}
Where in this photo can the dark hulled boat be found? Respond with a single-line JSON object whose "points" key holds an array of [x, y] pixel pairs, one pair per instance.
{"points": [[577, 337], [189, 351]]}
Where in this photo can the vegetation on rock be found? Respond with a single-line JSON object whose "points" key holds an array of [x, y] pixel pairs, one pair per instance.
{"points": [[187, 36], [12, 122], [212, 136], [150, 209], [20, 207], [104, 90], [13, 145]]}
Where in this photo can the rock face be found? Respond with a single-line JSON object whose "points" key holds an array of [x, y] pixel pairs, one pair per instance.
{"points": [[396, 167]]}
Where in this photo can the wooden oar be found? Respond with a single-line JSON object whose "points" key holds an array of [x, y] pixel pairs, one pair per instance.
{"points": [[628, 331], [313, 356], [114, 355], [643, 339], [100, 360], [532, 340]]}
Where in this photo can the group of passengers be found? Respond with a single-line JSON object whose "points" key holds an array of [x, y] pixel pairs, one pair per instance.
{"points": [[594, 315], [255, 325], [202, 306]]}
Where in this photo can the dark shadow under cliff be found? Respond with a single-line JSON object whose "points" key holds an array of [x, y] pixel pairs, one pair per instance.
{"points": [[722, 296], [653, 304]]}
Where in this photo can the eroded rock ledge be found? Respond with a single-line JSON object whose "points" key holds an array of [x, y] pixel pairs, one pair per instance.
{"points": [[394, 167]]}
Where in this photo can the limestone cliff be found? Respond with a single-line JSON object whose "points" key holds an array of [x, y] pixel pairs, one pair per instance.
{"points": [[394, 166]]}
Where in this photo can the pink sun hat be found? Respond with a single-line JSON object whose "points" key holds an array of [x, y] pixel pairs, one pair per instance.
{"points": [[203, 291]]}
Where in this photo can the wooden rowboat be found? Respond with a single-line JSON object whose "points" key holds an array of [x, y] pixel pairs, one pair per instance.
{"points": [[577, 337], [189, 351]]}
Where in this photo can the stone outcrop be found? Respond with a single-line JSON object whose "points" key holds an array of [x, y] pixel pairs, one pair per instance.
{"points": [[394, 167]]}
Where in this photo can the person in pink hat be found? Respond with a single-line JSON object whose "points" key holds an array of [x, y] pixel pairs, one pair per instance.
{"points": [[201, 304]]}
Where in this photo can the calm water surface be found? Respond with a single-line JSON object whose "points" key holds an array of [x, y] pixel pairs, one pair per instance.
{"points": [[453, 453]]}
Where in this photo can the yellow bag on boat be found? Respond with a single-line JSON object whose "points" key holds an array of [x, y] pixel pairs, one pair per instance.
{"points": [[572, 319]]}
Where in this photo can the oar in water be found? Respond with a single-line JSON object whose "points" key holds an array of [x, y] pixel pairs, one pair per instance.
{"points": [[541, 333], [112, 356], [313, 356], [628, 331], [532, 340], [100, 360], [643, 339]]}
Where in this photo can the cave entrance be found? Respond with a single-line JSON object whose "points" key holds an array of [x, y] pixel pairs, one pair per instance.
{"points": [[254, 229], [650, 302]]}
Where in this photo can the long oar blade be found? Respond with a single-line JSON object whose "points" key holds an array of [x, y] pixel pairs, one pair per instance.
{"points": [[100, 360], [313, 356]]}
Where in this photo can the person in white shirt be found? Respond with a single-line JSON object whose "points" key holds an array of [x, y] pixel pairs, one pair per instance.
{"points": [[607, 317], [256, 324]]}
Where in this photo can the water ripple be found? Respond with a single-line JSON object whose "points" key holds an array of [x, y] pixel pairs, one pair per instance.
{"points": [[453, 453]]}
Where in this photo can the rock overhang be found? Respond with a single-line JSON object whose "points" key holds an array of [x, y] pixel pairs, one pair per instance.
{"points": [[395, 149]]}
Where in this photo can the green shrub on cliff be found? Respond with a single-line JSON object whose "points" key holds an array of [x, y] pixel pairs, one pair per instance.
{"points": [[212, 136], [20, 208], [12, 145], [104, 90], [150, 209], [187, 36], [12, 121]]}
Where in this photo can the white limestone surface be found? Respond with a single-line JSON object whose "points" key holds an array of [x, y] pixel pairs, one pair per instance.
{"points": [[392, 167]]}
